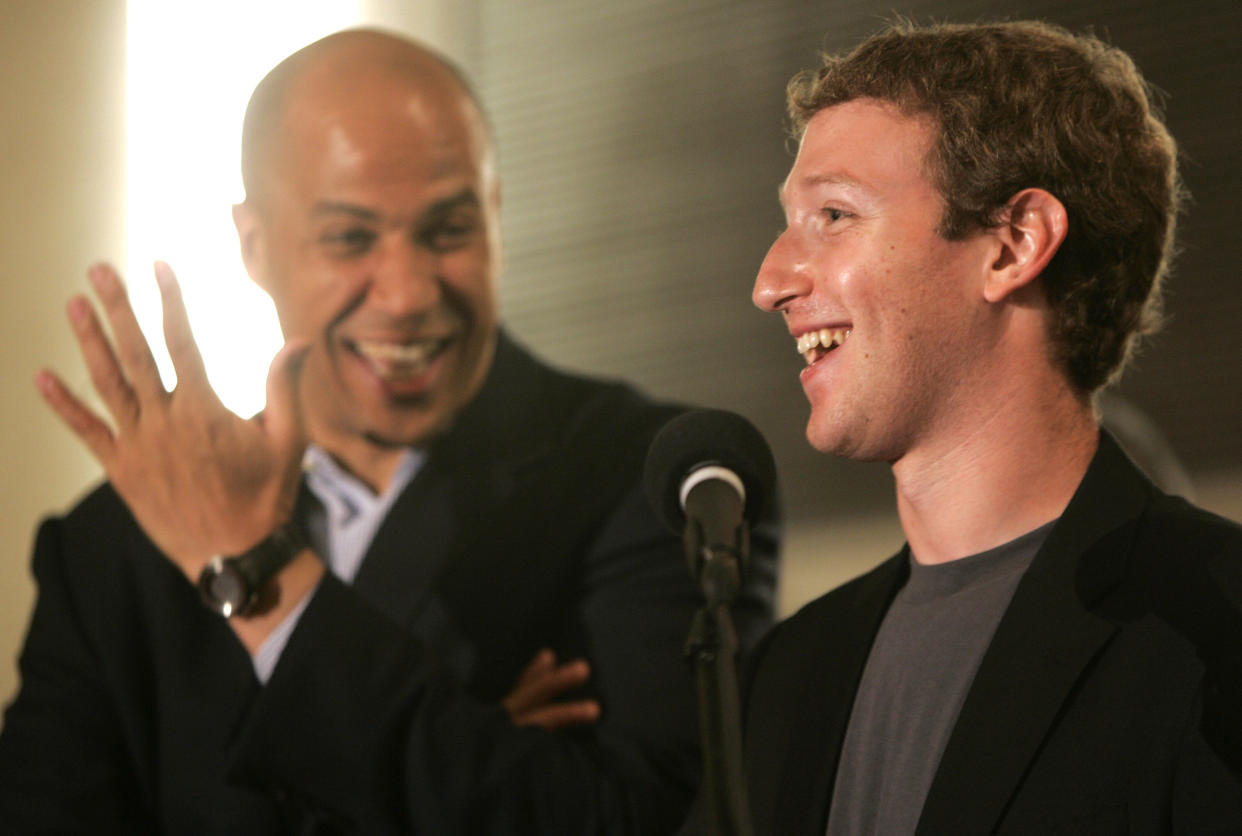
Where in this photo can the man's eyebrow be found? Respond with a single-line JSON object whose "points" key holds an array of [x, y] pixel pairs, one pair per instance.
{"points": [[813, 180], [332, 207], [833, 180], [465, 197]]}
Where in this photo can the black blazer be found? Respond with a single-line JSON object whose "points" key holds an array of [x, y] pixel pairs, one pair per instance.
{"points": [[1075, 723], [139, 711]]}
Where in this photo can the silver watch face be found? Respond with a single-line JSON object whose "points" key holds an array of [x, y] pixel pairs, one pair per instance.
{"points": [[223, 587]]}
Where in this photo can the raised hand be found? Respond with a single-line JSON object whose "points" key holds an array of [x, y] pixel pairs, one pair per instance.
{"points": [[200, 480], [533, 700]]}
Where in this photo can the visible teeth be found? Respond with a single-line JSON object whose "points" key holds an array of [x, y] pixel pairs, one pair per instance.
{"points": [[825, 338], [386, 352], [397, 361]]}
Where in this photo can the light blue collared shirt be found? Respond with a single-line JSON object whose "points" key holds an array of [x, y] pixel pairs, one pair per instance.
{"points": [[340, 527]]}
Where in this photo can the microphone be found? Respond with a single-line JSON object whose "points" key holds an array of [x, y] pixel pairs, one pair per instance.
{"points": [[710, 474]]}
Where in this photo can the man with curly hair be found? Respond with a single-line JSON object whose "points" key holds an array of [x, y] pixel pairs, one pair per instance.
{"points": [[979, 219]]}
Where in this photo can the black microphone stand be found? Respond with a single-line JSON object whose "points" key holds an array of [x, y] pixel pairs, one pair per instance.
{"points": [[711, 647]]}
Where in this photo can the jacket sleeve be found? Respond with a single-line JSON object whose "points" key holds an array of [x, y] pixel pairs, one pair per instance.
{"points": [[407, 750], [64, 766]]}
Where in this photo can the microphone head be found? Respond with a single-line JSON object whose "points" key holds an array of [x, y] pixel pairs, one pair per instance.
{"points": [[700, 438]]}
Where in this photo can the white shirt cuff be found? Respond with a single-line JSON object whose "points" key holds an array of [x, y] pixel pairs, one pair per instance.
{"points": [[269, 652]]}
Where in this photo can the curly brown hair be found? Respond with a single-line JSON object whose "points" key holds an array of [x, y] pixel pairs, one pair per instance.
{"points": [[1028, 104]]}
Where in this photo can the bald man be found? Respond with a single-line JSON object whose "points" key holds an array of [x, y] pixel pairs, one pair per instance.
{"points": [[437, 601]]}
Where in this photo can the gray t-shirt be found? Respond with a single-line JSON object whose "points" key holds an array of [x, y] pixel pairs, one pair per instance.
{"points": [[924, 659]]}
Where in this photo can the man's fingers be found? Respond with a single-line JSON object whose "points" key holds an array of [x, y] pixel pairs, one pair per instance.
{"points": [[283, 414], [542, 682], [178, 336], [542, 662], [131, 346], [102, 364], [95, 434], [559, 715], [554, 682]]}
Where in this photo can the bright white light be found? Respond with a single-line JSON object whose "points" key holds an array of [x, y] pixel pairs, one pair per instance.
{"points": [[191, 68]]}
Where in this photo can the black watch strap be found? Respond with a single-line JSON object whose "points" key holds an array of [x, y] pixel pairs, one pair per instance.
{"points": [[234, 585]]}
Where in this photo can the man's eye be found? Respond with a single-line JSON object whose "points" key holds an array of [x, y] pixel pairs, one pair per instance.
{"points": [[450, 233], [346, 242], [834, 214]]}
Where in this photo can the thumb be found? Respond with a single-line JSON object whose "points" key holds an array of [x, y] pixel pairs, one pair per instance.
{"points": [[283, 415]]}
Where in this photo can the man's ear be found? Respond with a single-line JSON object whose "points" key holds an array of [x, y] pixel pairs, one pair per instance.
{"points": [[1029, 236], [252, 236]]}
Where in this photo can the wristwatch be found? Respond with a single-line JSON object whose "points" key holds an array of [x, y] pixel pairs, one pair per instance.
{"points": [[237, 585]]}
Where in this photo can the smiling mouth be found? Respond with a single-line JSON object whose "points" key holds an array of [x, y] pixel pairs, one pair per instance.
{"points": [[815, 344], [398, 361]]}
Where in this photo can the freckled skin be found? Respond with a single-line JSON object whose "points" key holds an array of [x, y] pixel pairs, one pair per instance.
{"points": [[861, 249]]}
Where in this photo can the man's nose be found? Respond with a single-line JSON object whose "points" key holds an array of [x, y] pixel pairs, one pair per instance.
{"points": [[782, 277], [406, 279]]}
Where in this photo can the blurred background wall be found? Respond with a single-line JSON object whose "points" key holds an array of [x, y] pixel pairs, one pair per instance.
{"points": [[62, 174], [641, 145]]}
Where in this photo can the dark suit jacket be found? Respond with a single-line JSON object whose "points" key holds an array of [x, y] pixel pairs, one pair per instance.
{"points": [[1076, 723], [139, 711]]}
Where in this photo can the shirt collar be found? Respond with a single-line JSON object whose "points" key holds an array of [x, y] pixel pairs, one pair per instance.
{"points": [[344, 495]]}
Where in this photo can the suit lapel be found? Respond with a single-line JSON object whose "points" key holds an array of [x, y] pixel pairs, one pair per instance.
{"points": [[410, 547], [469, 475], [828, 679], [1043, 645]]}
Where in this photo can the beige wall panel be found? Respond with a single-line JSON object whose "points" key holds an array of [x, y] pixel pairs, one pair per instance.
{"points": [[62, 159]]}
